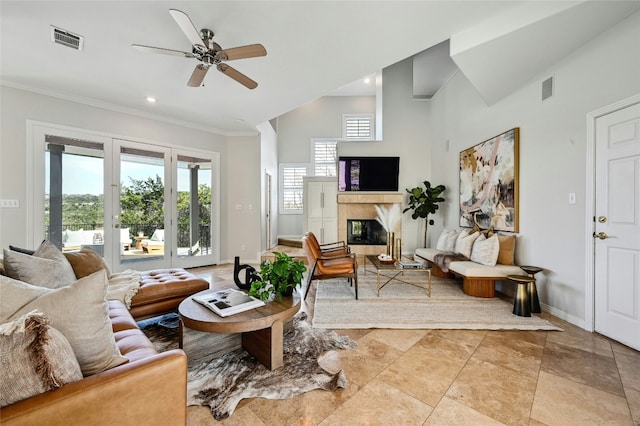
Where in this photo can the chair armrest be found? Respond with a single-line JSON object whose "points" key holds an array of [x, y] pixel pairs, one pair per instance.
{"points": [[337, 244], [148, 391], [337, 256]]}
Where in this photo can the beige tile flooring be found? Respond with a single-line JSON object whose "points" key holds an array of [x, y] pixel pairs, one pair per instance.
{"points": [[460, 377]]}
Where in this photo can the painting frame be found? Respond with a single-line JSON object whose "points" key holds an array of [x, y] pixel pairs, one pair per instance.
{"points": [[489, 183]]}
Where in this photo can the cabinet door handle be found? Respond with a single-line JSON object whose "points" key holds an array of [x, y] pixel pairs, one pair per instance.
{"points": [[322, 200]]}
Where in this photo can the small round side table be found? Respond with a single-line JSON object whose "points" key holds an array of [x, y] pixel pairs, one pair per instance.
{"points": [[532, 289], [521, 303]]}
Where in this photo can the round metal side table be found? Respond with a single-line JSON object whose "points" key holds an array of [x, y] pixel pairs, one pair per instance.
{"points": [[521, 303], [532, 289]]}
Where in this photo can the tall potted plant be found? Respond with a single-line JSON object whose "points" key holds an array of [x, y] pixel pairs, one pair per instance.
{"points": [[423, 202], [278, 278]]}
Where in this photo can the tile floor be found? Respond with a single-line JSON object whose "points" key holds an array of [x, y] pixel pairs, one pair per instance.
{"points": [[460, 377]]}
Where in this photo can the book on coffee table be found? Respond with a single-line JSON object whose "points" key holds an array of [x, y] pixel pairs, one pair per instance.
{"points": [[228, 301]]}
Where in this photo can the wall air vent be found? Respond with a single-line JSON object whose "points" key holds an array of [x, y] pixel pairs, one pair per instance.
{"points": [[66, 38]]}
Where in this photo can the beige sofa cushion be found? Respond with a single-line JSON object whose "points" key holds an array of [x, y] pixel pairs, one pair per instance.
{"points": [[473, 269], [507, 249], [79, 311], [485, 250], [47, 267], [464, 243], [34, 358], [86, 262]]}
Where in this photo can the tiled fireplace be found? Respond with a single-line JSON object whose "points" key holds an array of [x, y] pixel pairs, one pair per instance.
{"points": [[358, 209]]}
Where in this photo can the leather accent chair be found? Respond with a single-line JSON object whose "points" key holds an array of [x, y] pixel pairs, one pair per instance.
{"points": [[329, 249], [324, 267]]}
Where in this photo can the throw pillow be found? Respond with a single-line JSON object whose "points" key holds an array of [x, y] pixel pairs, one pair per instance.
{"points": [[86, 262], [485, 250], [80, 311], [21, 250], [447, 240], [507, 249], [34, 358], [442, 240], [47, 267], [464, 244]]}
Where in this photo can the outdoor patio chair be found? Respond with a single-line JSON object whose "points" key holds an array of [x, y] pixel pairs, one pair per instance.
{"points": [[155, 244], [125, 240]]}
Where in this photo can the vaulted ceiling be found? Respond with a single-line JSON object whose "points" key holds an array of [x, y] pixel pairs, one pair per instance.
{"points": [[313, 48]]}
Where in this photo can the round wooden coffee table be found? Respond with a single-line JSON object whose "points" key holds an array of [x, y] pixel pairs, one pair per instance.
{"points": [[262, 328]]}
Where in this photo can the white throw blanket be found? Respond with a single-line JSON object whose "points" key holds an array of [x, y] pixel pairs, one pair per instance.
{"points": [[123, 286]]}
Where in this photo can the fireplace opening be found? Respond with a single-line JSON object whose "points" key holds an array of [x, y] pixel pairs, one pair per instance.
{"points": [[365, 232]]}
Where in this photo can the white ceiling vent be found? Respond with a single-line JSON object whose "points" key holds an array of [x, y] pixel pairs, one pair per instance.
{"points": [[66, 38]]}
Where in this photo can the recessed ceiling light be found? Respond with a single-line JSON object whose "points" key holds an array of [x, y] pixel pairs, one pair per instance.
{"points": [[367, 80], [150, 99]]}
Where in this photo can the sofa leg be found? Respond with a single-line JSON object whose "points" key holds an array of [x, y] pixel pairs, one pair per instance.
{"points": [[437, 272], [479, 287]]}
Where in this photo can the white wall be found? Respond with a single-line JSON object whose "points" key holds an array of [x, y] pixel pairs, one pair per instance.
{"points": [[268, 164], [321, 118], [243, 199], [552, 154], [18, 106], [405, 135]]}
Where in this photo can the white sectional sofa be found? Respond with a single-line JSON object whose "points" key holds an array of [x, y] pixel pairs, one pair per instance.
{"points": [[482, 270]]}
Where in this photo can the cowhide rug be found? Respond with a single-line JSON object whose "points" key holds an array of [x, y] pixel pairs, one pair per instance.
{"points": [[224, 381]]}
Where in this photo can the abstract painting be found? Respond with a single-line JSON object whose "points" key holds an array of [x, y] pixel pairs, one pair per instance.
{"points": [[489, 183]]}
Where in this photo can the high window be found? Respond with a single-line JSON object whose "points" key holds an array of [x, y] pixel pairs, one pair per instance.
{"points": [[357, 127], [325, 155], [291, 187]]}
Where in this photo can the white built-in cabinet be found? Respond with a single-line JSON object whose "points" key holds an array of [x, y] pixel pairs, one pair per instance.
{"points": [[321, 208]]}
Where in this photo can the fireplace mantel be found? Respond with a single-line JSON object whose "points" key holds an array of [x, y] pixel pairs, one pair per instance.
{"points": [[361, 206]]}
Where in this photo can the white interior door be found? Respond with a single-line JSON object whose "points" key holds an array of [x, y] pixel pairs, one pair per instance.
{"points": [[617, 226], [267, 209]]}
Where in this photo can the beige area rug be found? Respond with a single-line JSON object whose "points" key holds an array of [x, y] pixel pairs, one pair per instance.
{"points": [[405, 306]]}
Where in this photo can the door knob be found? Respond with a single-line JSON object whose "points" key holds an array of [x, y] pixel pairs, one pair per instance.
{"points": [[600, 235]]}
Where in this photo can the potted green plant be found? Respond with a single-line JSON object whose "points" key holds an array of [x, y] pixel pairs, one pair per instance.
{"points": [[278, 278], [423, 202]]}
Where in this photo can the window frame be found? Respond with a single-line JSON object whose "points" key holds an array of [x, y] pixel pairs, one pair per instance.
{"points": [[348, 117], [315, 141], [282, 188]]}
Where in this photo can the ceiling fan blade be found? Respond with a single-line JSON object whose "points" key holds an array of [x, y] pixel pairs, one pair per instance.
{"points": [[187, 27], [250, 51], [198, 75], [237, 76], [151, 49]]}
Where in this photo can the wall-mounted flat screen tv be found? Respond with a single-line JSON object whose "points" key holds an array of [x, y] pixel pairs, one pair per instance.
{"points": [[368, 173]]}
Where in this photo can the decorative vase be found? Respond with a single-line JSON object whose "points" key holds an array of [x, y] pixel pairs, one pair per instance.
{"points": [[398, 251], [391, 244]]}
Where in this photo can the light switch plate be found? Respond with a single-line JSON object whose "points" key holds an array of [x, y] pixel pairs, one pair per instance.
{"points": [[9, 204]]}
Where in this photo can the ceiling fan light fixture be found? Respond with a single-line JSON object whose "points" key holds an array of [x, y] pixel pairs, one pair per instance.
{"points": [[208, 52]]}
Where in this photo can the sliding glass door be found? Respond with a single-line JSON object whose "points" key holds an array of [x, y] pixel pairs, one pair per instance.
{"points": [[142, 192], [194, 206], [140, 206], [74, 200]]}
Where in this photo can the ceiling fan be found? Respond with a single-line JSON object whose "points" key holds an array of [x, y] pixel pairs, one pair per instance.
{"points": [[208, 52]]}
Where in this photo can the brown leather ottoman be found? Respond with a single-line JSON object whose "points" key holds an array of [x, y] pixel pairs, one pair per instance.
{"points": [[162, 290]]}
